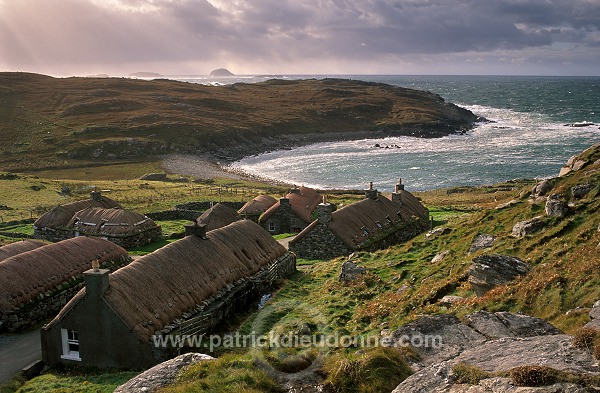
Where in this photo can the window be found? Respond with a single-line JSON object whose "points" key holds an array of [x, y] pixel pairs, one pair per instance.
{"points": [[70, 344], [271, 227]]}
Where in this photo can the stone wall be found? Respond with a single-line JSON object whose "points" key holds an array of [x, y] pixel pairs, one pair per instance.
{"points": [[285, 221], [126, 241], [46, 305], [319, 243], [51, 234]]}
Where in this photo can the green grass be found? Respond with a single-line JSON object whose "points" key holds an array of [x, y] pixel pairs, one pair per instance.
{"points": [[283, 236], [76, 382]]}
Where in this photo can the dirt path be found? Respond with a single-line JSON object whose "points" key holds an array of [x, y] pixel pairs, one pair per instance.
{"points": [[18, 351]]}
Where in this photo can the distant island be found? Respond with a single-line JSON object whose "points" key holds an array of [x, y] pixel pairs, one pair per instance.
{"points": [[221, 72], [63, 122], [145, 75]]}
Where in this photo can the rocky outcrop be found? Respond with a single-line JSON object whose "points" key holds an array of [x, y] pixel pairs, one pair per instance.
{"points": [[495, 343], [555, 207], [581, 190], [542, 188], [439, 256], [161, 375], [523, 228], [154, 177], [481, 242], [594, 316], [221, 72], [350, 271], [489, 271]]}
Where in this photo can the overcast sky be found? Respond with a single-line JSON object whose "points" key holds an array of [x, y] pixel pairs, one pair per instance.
{"points": [[193, 37]]}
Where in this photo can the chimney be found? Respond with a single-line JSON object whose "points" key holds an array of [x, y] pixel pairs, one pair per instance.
{"points": [[284, 201], [96, 281], [196, 229], [397, 194], [371, 193], [96, 196], [324, 211]]}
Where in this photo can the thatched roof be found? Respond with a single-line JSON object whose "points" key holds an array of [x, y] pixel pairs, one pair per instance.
{"points": [[26, 275], [218, 216], [19, 247], [303, 202], [160, 287], [60, 215], [258, 205], [363, 220], [98, 221]]}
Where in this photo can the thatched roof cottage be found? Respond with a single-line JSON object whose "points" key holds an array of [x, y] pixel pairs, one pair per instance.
{"points": [[372, 223], [253, 209], [19, 247], [36, 284], [52, 225], [126, 228], [184, 288], [292, 213], [217, 216]]}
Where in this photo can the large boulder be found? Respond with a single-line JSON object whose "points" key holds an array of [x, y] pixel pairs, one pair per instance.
{"points": [[542, 188], [496, 343], [481, 242], [489, 271], [523, 228], [555, 207], [161, 375], [350, 271], [581, 190]]}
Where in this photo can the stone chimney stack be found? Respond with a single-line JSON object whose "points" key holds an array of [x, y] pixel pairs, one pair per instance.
{"points": [[196, 229], [397, 194], [371, 193], [96, 281], [324, 211], [96, 196], [284, 201]]}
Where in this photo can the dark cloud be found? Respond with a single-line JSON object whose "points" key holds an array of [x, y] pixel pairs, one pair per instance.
{"points": [[182, 36]]}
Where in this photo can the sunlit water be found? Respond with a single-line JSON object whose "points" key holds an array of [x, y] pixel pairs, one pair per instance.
{"points": [[529, 137]]}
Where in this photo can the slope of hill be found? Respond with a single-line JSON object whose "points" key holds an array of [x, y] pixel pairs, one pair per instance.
{"points": [[49, 122]]}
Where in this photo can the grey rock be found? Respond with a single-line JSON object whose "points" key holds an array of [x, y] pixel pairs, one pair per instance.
{"points": [[481, 242], [350, 271], [439, 256], [489, 271], [577, 165], [556, 207], [154, 177], [527, 227], [451, 299], [581, 190], [435, 232], [542, 188], [506, 324], [161, 375], [595, 316]]}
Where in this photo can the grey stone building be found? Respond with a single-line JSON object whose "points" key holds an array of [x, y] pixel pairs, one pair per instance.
{"points": [[52, 225], [184, 288], [373, 223], [126, 228], [252, 210], [292, 213], [36, 284], [217, 216]]}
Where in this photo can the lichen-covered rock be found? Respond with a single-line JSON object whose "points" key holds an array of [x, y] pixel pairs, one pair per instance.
{"points": [[555, 207], [581, 190], [161, 375], [542, 188], [489, 271], [506, 324], [523, 228], [481, 242], [439, 256], [350, 271]]}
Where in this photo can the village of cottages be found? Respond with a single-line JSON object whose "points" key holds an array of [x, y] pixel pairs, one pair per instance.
{"points": [[101, 309]]}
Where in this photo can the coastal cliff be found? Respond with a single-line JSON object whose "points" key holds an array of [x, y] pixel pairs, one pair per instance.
{"points": [[63, 122]]}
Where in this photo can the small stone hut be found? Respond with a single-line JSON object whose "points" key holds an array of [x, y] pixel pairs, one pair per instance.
{"points": [[36, 284], [292, 213], [217, 216], [253, 209], [126, 228], [19, 247], [52, 225], [185, 288], [373, 223]]}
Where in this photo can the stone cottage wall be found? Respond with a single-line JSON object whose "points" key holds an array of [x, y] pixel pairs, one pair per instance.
{"points": [[285, 220], [51, 234], [320, 243], [49, 303], [132, 241]]}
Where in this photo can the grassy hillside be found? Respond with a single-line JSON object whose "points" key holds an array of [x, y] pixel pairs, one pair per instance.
{"points": [[402, 283], [48, 122]]}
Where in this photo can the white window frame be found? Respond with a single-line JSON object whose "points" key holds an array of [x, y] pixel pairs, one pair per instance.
{"points": [[271, 227], [70, 338]]}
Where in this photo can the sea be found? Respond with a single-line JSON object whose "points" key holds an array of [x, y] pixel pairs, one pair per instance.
{"points": [[536, 124]]}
